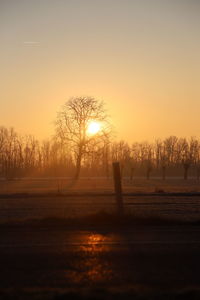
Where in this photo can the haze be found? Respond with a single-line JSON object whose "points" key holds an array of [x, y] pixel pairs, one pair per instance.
{"points": [[141, 57]]}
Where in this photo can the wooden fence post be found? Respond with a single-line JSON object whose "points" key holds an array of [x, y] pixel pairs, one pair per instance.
{"points": [[118, 188]]}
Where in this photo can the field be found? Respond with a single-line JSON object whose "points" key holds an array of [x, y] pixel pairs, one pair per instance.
{"points": [[42, 198], [67, 243], [139, 184]]}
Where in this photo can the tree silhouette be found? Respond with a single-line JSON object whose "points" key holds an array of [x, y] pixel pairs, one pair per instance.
{"points": [[72, 124]]}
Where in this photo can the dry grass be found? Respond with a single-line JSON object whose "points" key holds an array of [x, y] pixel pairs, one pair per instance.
{"points": [[34, 185], [41, 198], [122, 293]]}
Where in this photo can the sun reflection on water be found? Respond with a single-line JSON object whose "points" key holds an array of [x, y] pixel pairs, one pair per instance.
{"points": [[92, 263]]}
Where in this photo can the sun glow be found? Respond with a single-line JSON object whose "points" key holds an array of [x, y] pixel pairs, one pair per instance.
{"points": [[93, 127]]}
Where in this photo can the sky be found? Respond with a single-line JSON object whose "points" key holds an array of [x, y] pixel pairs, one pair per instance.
{"points": [[142, 57]]}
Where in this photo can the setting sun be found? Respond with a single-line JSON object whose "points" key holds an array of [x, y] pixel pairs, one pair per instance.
{"points": [[93, 127]]}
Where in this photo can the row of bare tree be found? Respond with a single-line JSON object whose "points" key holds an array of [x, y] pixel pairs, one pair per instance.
{"points": [[22, 156]]}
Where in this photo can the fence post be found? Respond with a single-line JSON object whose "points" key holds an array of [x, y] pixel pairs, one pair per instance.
{"points": [[118, 188]]}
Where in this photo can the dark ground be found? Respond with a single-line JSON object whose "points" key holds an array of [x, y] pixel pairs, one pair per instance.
{"points": [[152, 253], [139, 262]]}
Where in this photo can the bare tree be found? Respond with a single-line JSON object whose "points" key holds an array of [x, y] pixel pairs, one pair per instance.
{"points": [[72, 127]]}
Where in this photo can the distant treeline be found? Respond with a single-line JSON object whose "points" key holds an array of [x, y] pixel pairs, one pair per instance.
{"points": [[22, 156]]}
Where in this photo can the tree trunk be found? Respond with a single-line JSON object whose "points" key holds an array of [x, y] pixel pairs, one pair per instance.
{"points": [[122, 170], [131, 174], [163, 172], [78, 167], [186, 168], [148, 173], [107, 169], [149, 169]]}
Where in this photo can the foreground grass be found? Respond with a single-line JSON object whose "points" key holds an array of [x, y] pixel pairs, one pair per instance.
{"points": [[126, 293]]}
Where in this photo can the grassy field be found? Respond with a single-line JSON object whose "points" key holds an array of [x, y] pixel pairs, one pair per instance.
{"points": [[40, 198], [31, 185], [51, 206]]}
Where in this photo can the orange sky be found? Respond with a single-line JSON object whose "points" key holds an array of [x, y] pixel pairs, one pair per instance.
{"points": [[141, 57]]}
